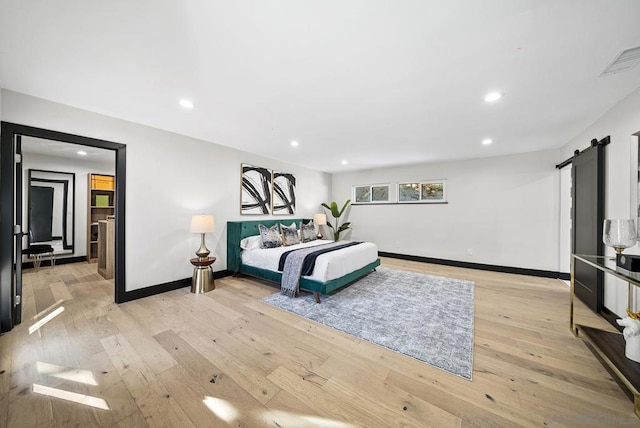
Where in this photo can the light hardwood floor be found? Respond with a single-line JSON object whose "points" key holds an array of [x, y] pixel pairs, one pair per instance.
{"points": [[226, 359]]}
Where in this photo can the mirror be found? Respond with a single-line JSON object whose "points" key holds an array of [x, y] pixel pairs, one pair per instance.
{"points": [[51, 201], [635, 207], [635, 181]]}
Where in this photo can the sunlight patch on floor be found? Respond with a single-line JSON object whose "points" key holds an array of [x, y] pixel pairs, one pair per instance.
{"points": [[33, 328], [76, 375], [221, 408], [83, 399], [282, 418], [41, 313]]}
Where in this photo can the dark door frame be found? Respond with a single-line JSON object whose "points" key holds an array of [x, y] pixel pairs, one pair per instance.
{"points": [[8, 133], [589, 281]]}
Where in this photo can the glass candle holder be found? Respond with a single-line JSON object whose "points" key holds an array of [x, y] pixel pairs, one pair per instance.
{"points": [[619, 234]]}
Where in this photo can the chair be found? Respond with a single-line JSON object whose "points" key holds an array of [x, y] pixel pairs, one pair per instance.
{"points": [[36, 251]]}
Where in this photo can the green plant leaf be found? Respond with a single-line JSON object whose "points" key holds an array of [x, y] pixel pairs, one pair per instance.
{"points": [[343, 208], [330, 225], [326, 206], [334, 210]]}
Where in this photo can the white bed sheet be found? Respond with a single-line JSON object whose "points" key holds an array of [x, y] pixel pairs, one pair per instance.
{"points": [[328, 266]]}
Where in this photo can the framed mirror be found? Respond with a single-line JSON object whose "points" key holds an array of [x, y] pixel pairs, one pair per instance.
{"points": [[51, 202], [635, 181]]}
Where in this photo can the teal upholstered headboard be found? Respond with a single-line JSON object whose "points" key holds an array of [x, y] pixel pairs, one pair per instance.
{"points": [[238, 230]]}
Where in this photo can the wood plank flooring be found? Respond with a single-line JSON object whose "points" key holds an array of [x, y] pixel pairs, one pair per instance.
{"points": [[224, 358]]}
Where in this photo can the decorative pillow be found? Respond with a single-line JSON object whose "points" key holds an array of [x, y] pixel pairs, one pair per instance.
{"points": [[270, 236], [289, 235], [251, 242], [308, 231]]}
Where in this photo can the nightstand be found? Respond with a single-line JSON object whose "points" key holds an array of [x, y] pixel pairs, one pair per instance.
{"points": [[202, 280]]}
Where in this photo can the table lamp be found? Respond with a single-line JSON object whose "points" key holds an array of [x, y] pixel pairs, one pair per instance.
{"points": [[202, 223], [320, 220], [619, 234]]}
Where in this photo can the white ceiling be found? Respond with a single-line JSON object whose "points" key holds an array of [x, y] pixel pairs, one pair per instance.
{"points": [[373, 82]]}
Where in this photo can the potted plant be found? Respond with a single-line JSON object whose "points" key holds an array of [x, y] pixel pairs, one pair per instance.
{"points": [[337, 213]]}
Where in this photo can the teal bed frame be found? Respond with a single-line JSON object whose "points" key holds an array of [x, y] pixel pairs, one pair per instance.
{"points": [[238, 230]]}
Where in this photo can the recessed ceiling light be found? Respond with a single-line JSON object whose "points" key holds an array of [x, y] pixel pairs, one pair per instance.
{"points": [[185, 103], [294, 144], [487, 141], [82, 152], [344, 162], [492, 97]]}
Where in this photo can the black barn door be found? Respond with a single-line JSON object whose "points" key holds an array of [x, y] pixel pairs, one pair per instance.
{"points": [[587, 215]]}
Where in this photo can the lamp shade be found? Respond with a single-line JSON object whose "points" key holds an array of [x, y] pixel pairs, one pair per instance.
{"points": [[320, 219], [202, 223]]}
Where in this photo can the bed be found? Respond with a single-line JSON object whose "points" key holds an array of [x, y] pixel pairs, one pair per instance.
{"points": [[317, 284]]}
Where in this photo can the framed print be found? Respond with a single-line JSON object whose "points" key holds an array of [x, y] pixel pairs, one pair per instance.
{"points": [[423, 192], [255, 196], [368, 194], [284, 193]]}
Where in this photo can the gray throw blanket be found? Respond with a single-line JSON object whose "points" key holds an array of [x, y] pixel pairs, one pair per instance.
{"points": [[290, 284]]}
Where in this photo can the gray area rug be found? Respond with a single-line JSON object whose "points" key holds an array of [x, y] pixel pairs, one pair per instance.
{"points": [[426, 317]]}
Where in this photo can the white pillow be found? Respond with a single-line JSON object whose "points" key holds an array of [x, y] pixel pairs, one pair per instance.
{"points": [[251, 243]]}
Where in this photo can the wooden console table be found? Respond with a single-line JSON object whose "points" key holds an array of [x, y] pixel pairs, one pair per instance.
{"points": [[609, 346]]}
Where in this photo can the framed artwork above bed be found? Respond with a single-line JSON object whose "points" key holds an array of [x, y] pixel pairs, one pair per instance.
{"points": [[255, 190], [284, 193]]}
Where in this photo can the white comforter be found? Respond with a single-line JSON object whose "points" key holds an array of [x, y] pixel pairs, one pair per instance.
{"points": [[329, 266]]}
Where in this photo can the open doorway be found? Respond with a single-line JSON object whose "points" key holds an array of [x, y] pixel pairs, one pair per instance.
{"points": [[55, 204], [12, 219]]}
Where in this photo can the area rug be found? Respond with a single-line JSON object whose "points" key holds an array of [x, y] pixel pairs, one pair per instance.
{"points": [[429, 318]]}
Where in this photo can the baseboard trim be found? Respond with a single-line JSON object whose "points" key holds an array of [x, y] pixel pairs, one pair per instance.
{"points": [[479, 266], [61, 261], [564, 275], [167, 286], [611, 317]]}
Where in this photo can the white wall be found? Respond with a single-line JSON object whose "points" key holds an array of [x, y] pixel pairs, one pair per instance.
{"points": [[564, 238], [504, 209], [620, 122], [169, 178], [81, 168]]}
